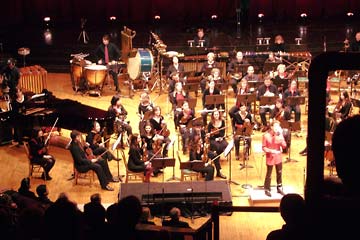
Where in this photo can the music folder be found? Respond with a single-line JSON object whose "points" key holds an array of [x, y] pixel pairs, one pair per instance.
{"points": [[266, 100], [295, 100], [163, 162]]}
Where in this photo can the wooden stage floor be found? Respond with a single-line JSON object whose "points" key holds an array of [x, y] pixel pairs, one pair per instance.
{"points": [[14, 165]]}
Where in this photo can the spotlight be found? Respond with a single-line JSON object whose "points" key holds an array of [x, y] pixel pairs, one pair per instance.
{"points": [[157, 17], [303, 15], [350, 14], [261, 17], [47, 21], [214, 17], [112, 18], [48, 37]]}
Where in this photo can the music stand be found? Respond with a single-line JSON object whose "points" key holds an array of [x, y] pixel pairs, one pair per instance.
{"points": [[295, 100], [195, 165], [254, 84], [227, 150], [270, 66], [281, 83], [291, 125], [267, 100], [246, 98], [214, 100], [241, 69], [162, 163]]}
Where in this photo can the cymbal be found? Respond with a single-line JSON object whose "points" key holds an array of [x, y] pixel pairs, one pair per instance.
{"points": [[24, 51]]}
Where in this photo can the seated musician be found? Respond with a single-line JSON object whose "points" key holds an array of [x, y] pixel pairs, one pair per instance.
{"points": [[176, 96], [160, 127], [215, 76], [175, 78], [250, 75], [199, 151], [95, 140], [197, 130], [279, 44], [235, 69], [216, 133], [84, 162], [151, 144], [273, 59], [267, 89], [343, 107], [241, 121], [281, 77], [117, 111], [201, 40], [144, 109], [243, 88], [106, 53], [175, 67], [210, 91], [137, 161], [206, 69], [292, 91], [39, 152], [185, 116]]}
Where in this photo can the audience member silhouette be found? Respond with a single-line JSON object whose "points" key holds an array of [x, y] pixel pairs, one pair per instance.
{"points": [[146, 216], [43, 198], [175, 221], [94, 216], [293, 211], [24, 189]]}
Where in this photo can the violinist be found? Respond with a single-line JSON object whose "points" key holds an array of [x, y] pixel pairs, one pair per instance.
{"points": [[94, 139], [151, 144], [160, 127], [243, 88], [136, 162], [117, 111], [211, 90], [198, 152], [215, 76], [144, 107], [83, 163], [241, 121], [216, 133], [39, 152], [178, 95], [175, 78], [292, 91], [185, 116], [279, 111], [343, 107]]}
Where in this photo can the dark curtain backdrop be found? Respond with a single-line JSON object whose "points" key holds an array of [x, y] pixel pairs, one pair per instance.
{"points": [[181, 11]]}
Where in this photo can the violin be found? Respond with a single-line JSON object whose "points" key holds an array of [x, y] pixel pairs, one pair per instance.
{"points": [[145, 152], [165, 132]]}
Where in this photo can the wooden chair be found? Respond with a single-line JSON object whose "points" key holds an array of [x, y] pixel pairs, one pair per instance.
{"points": [[187, 173], [130, 175], [89, 175], [33, 167]]}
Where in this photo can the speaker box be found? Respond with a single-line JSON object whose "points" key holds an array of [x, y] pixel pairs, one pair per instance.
{"points": [[194, 198]]}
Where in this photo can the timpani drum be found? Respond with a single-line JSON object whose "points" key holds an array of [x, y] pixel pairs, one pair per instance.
{"points": [[77, 70], [142, 62], [95, 74]]}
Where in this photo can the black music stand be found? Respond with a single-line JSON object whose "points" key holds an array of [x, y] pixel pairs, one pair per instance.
{"points": [[162, 163], [195, 165], [247, 98], [267, 100], [241, 69], [191, 87], [270, 66], [281, 83], [291, 101], [254, 84], [214, 100], [292, 126]]}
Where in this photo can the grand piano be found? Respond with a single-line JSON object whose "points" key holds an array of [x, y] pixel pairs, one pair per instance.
{"points": [[43, 109]]}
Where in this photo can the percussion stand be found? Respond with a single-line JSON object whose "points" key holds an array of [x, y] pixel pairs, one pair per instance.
{"points": [[158, 74]]}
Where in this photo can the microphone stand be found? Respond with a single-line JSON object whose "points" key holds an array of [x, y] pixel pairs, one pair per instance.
{"points": [[173, 155]]}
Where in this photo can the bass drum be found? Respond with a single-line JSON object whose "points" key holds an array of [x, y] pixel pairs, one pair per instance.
{"points": [[142, 62]]}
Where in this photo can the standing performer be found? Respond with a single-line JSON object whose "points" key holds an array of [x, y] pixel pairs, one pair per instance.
{"points": [[272, 144], [216, 133], [84, 162], [39, 153], [10, 77], [107, 52], [137, 162]]}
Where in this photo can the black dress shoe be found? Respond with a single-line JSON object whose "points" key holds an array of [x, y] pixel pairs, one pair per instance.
{"points": [[114, 179], [268, 193], [108, 188], [220, 175]]}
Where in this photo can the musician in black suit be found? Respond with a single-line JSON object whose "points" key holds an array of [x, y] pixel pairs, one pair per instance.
{"points": [[10, 77], [266, 89], [355, 45], [39, 152], [235, 69], [200, 36], [83, 164], [210, 91], [107, 52], [175, 67]]}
